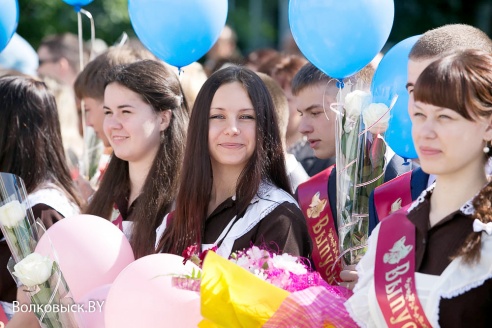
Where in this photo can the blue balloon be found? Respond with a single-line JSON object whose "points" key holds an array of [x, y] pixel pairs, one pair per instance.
{"points": [[178, 32], [77, 4], [9, 18], [341, 37], [390, 80]]}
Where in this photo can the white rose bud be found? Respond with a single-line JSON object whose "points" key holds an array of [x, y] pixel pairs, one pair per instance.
{"points": [[12, 213], [376, 112], [355, 102], [33, 270]]}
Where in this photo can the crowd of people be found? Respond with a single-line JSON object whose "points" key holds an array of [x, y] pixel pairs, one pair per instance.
{"points": [[222, 155]]}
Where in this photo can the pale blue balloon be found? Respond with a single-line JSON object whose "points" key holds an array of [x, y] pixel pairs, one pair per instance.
{"points": [[178, 32], [9, 18], [341, 37], [77, 4], [390, 80]]}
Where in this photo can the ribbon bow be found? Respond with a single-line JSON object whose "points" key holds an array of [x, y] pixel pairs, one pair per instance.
{"points": [[480, 226]]}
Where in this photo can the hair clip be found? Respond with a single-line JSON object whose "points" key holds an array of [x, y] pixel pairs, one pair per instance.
{"points": [[479, 226]]}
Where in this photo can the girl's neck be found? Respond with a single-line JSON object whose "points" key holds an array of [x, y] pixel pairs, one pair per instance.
{"points": [[453, 191], [138, 174], [223, 186]]}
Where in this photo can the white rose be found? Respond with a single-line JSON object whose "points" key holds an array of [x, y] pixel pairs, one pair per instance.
{"points": [[33, 270], [379, 113], [355, 102], [12, 213]]}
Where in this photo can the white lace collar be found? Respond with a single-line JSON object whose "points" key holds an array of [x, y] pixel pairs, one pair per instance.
{"points": [[466, 209]]}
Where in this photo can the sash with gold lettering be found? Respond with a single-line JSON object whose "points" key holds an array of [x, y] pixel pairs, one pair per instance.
{"points": [[394, 273], [314, 202], [392, 195]]}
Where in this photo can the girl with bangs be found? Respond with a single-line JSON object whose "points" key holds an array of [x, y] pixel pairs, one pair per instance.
{"points": [[434, 265], [234, 191]]}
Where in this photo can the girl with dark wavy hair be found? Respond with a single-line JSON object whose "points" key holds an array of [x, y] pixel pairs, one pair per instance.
{"points": [[442, 250], [145, 122], [234, 191]]}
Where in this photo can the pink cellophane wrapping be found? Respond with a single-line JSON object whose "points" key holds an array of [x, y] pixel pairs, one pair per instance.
{"points": [[320, 306]]}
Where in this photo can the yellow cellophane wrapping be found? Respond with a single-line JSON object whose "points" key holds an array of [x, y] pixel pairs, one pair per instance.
{"points": [[233, 297]]}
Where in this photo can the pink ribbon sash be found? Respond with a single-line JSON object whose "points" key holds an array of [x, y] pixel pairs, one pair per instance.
{"points": [[315, 205], [394, 273], [395, 193], [3, 317]]}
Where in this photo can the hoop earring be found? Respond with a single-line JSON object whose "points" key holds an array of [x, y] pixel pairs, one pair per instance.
{"points": [[486, 149]]}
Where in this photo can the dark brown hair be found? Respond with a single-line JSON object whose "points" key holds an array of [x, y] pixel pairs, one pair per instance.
{"points": [[462, 81], [266, 163], [283, 68], [279, 102], [160, 88], [30, 140], [91, 81], [309, 76]]}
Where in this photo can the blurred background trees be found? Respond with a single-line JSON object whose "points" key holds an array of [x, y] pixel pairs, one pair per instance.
{"points": [[258, 23]]}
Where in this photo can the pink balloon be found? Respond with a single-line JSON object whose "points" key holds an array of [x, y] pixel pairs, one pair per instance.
{"points": [[90, 250], [142, 295], [93, 303]]}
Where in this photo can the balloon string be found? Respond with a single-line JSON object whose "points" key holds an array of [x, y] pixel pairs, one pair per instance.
{"points": [[93, 32], [124, 38], [85, 154], [331, 106]]}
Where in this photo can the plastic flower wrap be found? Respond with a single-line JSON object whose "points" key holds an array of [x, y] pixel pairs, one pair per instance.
{"points": [[16, 219], [47, 290], [41, 277], [244, 292], [360, 153]]}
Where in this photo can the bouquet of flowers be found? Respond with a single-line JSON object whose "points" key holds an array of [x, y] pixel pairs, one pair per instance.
{"points": [[257, 288], [284, 271], [360, 152]]}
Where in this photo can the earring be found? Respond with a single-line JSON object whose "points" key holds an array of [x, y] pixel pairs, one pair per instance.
{"points": [[486, 149]]}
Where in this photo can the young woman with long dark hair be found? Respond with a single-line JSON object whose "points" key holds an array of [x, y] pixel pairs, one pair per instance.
{"points": [[145, 123], [234, 191]]}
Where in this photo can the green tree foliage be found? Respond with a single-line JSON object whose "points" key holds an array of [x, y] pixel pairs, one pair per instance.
{"points": [[39, 18]]}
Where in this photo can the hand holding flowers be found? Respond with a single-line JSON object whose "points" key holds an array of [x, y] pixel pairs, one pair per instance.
{"points": [[47, 290]]}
